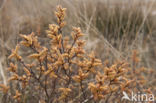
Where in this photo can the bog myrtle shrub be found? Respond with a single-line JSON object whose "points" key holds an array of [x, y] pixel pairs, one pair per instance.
{"points": [[61, 71]]}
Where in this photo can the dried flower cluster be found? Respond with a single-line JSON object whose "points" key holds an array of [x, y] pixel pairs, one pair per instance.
{"points": [[62, 71]]}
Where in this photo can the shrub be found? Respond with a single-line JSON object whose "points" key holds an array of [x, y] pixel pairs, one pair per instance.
{"points": [[62, 72]]}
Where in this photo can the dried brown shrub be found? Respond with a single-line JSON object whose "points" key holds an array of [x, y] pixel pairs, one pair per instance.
{"points": [[62, 72]]}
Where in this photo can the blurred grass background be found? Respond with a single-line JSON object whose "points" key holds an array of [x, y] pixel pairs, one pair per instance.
{"points": [[113, 28]]}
